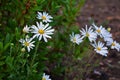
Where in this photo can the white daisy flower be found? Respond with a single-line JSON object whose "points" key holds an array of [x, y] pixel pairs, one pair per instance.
{"points": [[103, 33], [26, 29], [100, 49], [107, 39], [114, 45], [42, 31], [75, 38], [45, 77], [45, 17], [99, 30], [106, 35], [89, 33], [27, 42]]}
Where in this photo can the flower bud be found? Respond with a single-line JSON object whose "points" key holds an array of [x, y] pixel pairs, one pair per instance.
{"points": [[109, 29], [23, 50]]}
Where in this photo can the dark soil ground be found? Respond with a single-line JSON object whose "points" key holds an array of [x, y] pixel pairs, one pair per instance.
{"points": [[105, 12]]}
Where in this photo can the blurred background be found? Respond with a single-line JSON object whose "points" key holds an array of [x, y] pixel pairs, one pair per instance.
{"points": [[55, 57]]}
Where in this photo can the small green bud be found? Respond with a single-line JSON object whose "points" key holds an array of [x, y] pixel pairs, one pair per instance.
{"points": [[23, 50], [11, 44], [28, 55]]}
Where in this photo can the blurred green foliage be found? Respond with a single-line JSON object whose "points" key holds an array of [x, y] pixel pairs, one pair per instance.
{"points": [[14, 15]]}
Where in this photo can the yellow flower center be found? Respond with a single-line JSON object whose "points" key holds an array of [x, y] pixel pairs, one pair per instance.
{"points": [[98, 48], [44, 17], [74, 39], [98, 30], [87, 34], [26, 43], [113, 44], [43, 78], [41, 31]]}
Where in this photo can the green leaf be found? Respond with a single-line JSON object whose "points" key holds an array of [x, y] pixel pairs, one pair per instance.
{"points": [[6, 46], [1, 46], [8, 38], [2, 63], [9, 61], [35, 65]]}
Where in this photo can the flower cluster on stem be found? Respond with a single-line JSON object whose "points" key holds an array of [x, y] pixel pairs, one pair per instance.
{"points": [[42, 31], [99, 37]]}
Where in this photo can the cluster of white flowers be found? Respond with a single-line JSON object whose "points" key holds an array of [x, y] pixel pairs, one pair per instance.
{"points": [[94, 34], [41, 30]]}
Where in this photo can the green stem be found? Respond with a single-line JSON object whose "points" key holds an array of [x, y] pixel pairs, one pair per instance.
{"points": [[73, 48], [89, 60], [33, 59], [10, 50], [35, 53]]}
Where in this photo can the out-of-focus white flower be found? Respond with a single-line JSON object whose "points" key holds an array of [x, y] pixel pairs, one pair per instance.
{"points": [[75, 38], [42, 31], [45, 17], [27, 42], [99, 30], [106, 35], [89, 33], [26, 29], [103, 33], [45, 77], [100, 49], [114, 45]]}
